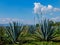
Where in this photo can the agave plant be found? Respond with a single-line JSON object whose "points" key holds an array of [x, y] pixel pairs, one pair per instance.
{"points": [[32, 29], [26, 35], [13, 31], [47, 31]]}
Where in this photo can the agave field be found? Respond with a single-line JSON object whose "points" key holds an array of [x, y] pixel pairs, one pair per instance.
{"points": [[46, 33]]}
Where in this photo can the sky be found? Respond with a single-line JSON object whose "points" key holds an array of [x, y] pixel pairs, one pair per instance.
{"points": [[23, 10]]}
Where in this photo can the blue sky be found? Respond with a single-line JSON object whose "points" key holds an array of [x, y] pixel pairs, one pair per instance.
{"points": [[23, 9]]}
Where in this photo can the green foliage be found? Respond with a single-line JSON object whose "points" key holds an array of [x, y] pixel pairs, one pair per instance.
{"points": [[32, 29], [47, 31], [43, 43], [14, 31], [26, 35], [3, 35]]}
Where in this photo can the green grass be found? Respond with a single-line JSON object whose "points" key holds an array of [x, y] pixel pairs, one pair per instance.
{"points": [[37, 43], [43, 43]]}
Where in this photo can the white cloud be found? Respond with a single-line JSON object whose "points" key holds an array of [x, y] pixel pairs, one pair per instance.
{"points": [[56, 9], [38, 8], [7, 20], [55, 19], [49, 7], [10, 20]]}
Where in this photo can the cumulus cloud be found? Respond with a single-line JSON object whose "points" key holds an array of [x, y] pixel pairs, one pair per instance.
{"points": [[39, 8]]}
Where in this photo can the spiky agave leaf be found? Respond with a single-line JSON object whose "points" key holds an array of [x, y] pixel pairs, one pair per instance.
{"points": [[14, 31], [47, 31], [32, 29]]}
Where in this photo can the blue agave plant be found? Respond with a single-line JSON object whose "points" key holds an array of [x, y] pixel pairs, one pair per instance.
{"points": [[47, 31], [13, 31], [32, 29]]}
